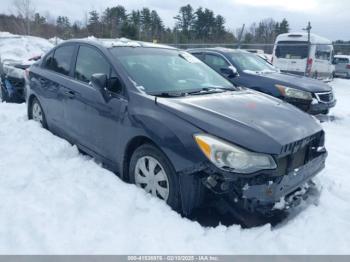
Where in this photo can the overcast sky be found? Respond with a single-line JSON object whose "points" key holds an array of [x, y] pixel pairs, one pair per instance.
{"points": [[330, 18]]}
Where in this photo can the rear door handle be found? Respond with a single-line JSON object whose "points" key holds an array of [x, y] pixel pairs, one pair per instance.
{"points": [[70, 94]]}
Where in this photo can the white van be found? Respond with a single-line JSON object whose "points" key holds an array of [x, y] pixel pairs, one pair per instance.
{"points": [[291, 52]]}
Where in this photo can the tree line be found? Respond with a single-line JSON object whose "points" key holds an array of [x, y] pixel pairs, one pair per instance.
{"points": [[200, 25]]}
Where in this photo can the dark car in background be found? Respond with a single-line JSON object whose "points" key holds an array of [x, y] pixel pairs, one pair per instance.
{"points": [[163, 120], [249, 70]]}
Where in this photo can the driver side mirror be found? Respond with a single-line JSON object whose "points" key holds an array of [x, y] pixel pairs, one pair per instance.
{"points": [[99, 81], [230, 71]]}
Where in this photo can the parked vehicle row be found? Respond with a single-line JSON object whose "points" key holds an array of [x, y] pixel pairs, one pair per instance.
{"points": [[162, 119], [249, 70]]}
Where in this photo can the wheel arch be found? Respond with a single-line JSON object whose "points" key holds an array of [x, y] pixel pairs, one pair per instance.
{"points": [[130, 148], [29, 105]]}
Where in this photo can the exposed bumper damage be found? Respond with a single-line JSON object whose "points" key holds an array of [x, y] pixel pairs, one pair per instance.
{"points": [[268, 190], [288, 191]]}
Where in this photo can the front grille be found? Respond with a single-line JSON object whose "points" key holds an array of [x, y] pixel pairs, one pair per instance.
{"points": [[297, 145], [325, 97], [299, 153]]}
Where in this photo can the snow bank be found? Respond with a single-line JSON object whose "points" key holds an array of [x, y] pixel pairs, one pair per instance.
{"points": [[54, 200], [21, 48], [56, 40]]}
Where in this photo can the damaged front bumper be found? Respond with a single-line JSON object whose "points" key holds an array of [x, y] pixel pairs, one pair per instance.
{"points": [[289, 190], [265, 192]]}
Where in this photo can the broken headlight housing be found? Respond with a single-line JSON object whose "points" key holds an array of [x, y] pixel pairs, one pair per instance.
{"points": [[230, 157]]}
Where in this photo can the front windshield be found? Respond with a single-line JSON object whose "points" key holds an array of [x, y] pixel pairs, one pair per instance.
{"points": [[251, 62], [156, 70]]}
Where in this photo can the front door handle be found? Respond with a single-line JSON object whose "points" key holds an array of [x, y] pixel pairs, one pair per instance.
{"points": [[70, 94]]}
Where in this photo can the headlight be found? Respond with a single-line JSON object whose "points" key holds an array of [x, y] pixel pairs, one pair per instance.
{"points": [[228, 156], [294, 93]]}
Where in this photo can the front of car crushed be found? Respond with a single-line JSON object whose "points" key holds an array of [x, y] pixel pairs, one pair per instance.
{"points": [[298, 152], [261, 191]]}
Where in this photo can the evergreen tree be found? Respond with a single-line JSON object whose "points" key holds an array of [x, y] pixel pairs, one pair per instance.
{"points": [[185, 21], [94, 24], [63, 27]]}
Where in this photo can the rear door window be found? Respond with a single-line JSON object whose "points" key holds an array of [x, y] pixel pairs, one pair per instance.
{"points": [[89, 62], [198, 55], [292, 50], [216, 62], [47, 62], [339, 60]]}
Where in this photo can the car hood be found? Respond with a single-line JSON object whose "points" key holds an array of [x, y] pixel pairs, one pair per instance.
{"points": [[299, 82], [252, 120]]}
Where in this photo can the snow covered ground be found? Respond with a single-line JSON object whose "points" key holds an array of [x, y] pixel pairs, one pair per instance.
{"points": [[54, 200]]}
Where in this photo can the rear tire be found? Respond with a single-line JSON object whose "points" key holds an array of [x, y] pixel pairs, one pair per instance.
{"points": [[150, 170], [36, 113]]}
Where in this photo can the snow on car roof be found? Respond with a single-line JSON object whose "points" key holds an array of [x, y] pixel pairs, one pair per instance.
{"points": [[21, 48], [220, 49], [302, 36], [342, 56], [124, 42]]}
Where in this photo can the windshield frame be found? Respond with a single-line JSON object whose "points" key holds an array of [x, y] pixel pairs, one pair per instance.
{"points": [[172, 92]]}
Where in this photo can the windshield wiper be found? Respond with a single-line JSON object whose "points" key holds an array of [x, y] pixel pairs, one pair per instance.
{"points": [[204, 90], [211, 90], [167, 94]]}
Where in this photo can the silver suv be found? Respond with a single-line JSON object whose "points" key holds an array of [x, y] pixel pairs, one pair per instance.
{"points": [[342, 66]]}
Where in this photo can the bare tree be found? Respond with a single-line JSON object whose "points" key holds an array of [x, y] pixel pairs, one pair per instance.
{"points": [[26, 10]]}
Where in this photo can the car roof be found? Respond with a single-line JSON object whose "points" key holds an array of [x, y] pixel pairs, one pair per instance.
{"points": [[222, 50], [342, 56], [302, 36], [118, 42]]}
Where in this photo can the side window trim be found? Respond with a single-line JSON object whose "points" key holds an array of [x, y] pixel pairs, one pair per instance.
{"points": [[52, 52], [111, 69], [75, 60]]}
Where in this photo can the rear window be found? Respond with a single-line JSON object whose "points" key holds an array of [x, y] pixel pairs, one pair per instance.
{"points": [[324, 52], [341, 60], [292, 49]]}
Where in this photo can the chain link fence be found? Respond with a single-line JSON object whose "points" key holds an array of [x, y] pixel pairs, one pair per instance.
{"points": [[339, 48]]}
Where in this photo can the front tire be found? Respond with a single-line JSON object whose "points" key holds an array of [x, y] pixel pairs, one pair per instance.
{"points": [[150, 170]]}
